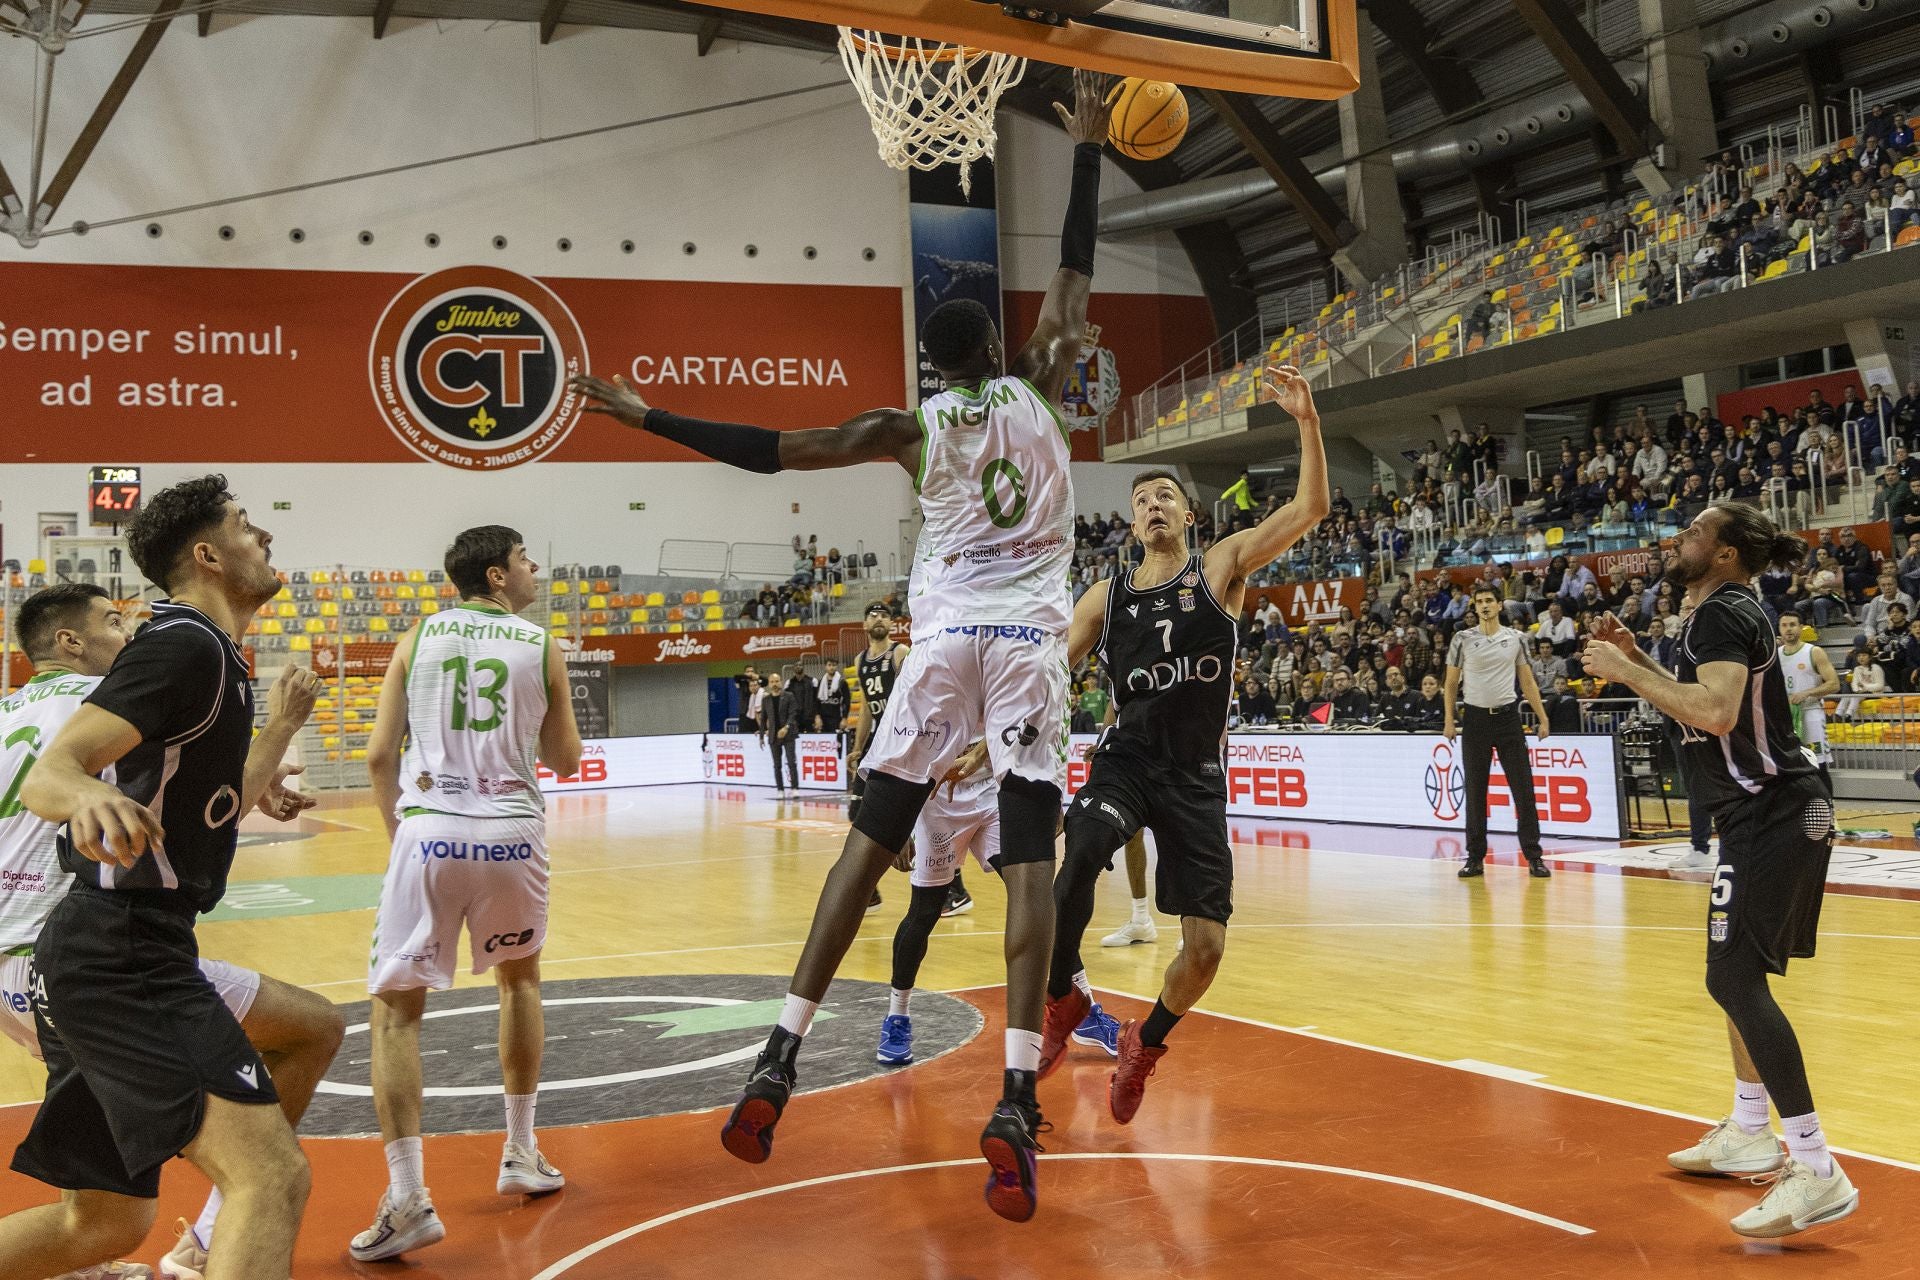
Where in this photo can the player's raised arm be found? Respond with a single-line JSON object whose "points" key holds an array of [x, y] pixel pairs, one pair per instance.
{"points": [[1055, 345], [873, 436], [1261, 545]]}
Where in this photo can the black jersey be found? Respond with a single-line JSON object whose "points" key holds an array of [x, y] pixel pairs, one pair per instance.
{"points": [[1169, 650], [183, 683], [876, 680], [1761, 750]]}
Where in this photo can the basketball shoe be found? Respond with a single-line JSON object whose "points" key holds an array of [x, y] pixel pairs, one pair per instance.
{"points": [[1010, 1144], [1099, 1030], [188, 1261], [399, 1228], [748, 1133], [1728, 1149], [1129, 1082], [959, 902], [1063, 1016], [112, 1271], [1134, 930], [525, 1171], [1800, 1198], [896, 1040]]}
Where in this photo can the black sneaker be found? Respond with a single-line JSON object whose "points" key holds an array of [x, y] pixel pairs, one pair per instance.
{"points": [[958, 903], [1473, 868], [1537, 868], [748, 1133], [873, 904], [1010, 1145]]}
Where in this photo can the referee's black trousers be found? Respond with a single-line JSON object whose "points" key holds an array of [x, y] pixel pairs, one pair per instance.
{"points": [[1483, 732]]}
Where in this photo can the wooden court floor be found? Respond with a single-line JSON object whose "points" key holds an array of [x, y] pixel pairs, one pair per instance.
{"points": [[1398, 1074]]}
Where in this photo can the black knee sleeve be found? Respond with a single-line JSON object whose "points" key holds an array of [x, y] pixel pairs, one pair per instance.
{"points": [[910, 939], [889, 809], [1091, 844], [1029, 815], [1737, 981]]}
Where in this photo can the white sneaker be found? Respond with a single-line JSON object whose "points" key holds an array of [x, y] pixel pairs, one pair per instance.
{"points": [[399, 1228], [525, 1171], [111, 1271], [1131, 932], [1799, 1199], [1729, 1149], [188, 1261], [1696, 860]]}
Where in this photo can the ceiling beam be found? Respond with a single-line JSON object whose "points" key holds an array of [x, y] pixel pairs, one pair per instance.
{"points": [[1323, 215], [96, 126], [709, 32], [1447, 78], [382, 12], [1624, 116], [550, 18]]}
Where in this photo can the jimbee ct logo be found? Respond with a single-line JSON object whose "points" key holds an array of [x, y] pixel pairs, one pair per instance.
{"points": [[469, 367]]}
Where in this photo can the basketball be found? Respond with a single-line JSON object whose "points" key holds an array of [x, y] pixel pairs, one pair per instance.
{"points": [[1149, 118]]}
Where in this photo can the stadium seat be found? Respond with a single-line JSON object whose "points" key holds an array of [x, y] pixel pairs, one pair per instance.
{"points": [[1909, 234], [713, 597], [378, 575], [376, 624], [416, 575], [713, 613], [429, 606], [596, 602], [690, 597], [655, 599], [1556, 536], [559, 588], [556, 619], [601, 586]]}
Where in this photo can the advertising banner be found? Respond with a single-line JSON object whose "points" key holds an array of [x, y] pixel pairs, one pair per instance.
{"points": [[1319, 601], [697, 757], [956, 249]]}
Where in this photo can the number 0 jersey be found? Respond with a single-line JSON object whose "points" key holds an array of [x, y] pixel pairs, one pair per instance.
{"points": [[31, 881], [998, 499], [476, 697]]}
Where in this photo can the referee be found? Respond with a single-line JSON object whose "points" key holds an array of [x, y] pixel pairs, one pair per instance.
{"points": [[1491, 660]]}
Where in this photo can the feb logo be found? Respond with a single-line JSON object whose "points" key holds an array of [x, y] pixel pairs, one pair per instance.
{"points": [[1446, 783], [469, 367]]}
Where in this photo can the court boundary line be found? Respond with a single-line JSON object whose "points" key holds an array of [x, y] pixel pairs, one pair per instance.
{"points": [[566, 1264]]}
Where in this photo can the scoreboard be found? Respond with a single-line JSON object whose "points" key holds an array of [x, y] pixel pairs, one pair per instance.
{"points": [[113, 494]]}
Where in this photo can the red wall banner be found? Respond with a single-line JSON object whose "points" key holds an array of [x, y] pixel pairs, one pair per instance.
{"points": [[1304, 602], [466, 366], [1787, 396]]}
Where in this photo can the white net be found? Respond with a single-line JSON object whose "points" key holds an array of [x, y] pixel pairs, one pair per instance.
{"points": [[931, 103]]}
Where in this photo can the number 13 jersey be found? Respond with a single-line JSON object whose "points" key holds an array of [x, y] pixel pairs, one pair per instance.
{"points": [[476, 698]]}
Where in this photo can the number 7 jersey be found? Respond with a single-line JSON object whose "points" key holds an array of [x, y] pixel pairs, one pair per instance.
{"points": [[476, 698]]}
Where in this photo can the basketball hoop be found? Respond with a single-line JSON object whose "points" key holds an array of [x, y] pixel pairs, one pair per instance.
{"points": [[931, 103]]}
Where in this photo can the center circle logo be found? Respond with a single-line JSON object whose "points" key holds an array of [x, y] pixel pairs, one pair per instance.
{"points": [[469, 368], [1446, 784]]}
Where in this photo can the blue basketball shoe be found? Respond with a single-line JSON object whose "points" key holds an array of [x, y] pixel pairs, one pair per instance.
{"points": [[896, 1040], [1099, 1029]]}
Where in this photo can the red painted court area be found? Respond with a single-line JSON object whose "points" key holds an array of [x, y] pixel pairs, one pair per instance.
{"points": [[1258, 1153]]}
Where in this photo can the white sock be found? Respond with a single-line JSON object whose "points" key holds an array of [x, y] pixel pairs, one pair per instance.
{"points": [[406, 1167], [1140, 915], [520, 1119], [1080, 981], [1807, 1142], [1749, 1105], [203, 1229], [798, 1015], [897, 1003], [1023, 1050]]}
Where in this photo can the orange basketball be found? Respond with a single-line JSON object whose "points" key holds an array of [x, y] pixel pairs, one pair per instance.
{"points": [[1149, 118]]}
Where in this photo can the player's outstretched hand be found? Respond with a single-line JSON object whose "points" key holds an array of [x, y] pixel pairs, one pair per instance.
{"points": [[617, 398], [970, 762], [281, 802], [1611, 630], [1291, 392], [292, 697], [1092, 108], [114, 829]]}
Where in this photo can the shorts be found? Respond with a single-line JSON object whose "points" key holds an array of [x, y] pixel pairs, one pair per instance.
{"points": [[489, 874], [236, 987], [135, 1037], [947, 830], [1772, 877], [1007, 684], [1812, 729], [1188, 819]]}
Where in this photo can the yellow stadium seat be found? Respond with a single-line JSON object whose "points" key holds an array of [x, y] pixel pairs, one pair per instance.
{"points": [[596, 602], [559, 588], [429, 606], [321, 577], [709, 597], [376, 624], [329, 610], [556, 619], [674, 628], [713, 613], [637, 617], [416, 575], [716, 626], [839, 590], [655, 599], [403, 592], [1556, 536], [285, 593], [596, 631], [316, 626], [300, 644], [348, 593]]}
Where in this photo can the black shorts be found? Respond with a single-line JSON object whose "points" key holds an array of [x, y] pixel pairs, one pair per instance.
{"points": [[1188, 819], [135, 1037], [1772, 877]]}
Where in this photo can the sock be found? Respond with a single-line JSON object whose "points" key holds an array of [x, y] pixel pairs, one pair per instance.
{"points": [[1080, 981], [406, 1167], [959, 888], [203, 1229], [1749, 1105], [1807, 1142], [1140, 915], [897, 1003], [797, 1017], [1023, 1050], [520, 1119], [1153, 1033]]}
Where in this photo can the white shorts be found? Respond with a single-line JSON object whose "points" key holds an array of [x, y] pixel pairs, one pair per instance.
{"points": [[237, 988], [948, 829], [1813, 728], [489, 874], [1007, 684]]}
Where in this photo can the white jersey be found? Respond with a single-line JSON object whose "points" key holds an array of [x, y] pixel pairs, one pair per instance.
{"points": [[998, 499], [31, 881], [1798, 670], [476, 697]]}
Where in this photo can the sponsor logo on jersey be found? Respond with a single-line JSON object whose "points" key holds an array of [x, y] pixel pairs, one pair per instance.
{"points": [[1191, 579], [1026, 735], [25, 882], [1133, 611], [1162, 676], [1717, 926], [475, 851], [503, 941], [1032, 635], [469, 368], [1186, 600], [941, 729], [681, 647], [1161, 604], [452, 782], [424, 781], [247, 1076], [221, 808]]}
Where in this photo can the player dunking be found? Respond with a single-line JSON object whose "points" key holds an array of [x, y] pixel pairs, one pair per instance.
{"points": [[474, 697], [1775, 813], [145, 1060], [72, 633], [990, 607], [1166, 632]]}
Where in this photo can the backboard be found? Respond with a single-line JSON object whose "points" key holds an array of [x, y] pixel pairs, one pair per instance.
{"points": [[1274, 48]]}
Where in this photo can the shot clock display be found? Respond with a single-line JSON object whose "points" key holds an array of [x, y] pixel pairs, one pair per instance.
{"points": [[113, 494]]}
